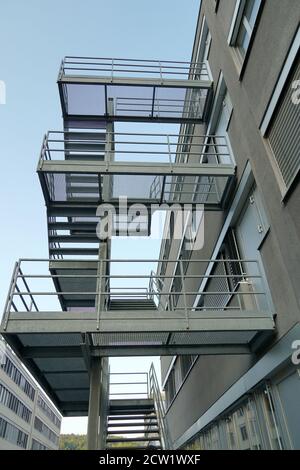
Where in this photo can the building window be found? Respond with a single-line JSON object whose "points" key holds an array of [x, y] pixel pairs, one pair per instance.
{"points": [[244, 433], [202, 53], [280, 124], [284, 135], [9, 400], [216, 2], [45, 431], [186, 363], [271, 420], [12, 434], [36, 445], [48, 412], [13, 372], [170, 387], [242, 27]]}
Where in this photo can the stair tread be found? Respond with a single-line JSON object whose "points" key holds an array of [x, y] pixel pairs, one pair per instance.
{"points": [[129, 411], [120, 425], [131, 439], [133, 431], [132, 304]]}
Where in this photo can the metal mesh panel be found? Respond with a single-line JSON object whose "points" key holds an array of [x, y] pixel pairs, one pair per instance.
{"points": [[68, 380], [130, 339], [74, 396], [67, 363], [52, 339], [217, 337], [217, 284]]}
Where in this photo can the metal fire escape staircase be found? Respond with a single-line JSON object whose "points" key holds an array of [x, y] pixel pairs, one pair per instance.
{"points": [[65, 315], [135, 412]]}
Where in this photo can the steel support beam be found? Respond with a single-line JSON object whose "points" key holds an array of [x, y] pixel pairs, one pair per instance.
{"points": [[171, 350], [94, 404], [157, 82], [129, 321], [136, 168]]}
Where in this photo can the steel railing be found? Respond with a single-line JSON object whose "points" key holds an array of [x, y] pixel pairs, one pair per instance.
{"points": [[134, 385], [135, 147], [242, 289], [122, 67], [160, 408], [123, 385]]}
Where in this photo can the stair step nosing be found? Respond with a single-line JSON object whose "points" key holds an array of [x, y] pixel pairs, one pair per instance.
{"points": [[132, 439], [120, 425], [133, 431]]}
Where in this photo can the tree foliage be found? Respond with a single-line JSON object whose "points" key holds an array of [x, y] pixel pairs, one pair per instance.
{"points": [[72, 442]]}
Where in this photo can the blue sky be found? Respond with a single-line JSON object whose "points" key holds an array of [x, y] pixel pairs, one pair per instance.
{"points": [[34, 37]]}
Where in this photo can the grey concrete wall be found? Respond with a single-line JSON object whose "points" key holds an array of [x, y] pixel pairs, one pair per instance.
{"points": [[211, 376]]}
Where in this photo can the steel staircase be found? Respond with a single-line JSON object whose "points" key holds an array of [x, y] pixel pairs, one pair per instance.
{"points": [[133, 424], [132, 304]]}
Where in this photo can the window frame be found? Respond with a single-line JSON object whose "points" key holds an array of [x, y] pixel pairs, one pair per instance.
{"points": [[235, 27], [274, 103]]}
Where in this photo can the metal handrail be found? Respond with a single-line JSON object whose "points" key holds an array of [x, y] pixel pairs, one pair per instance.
{"points": [[158, 287], [114, 67], [167, 146], [128, 384], [155, 394]]}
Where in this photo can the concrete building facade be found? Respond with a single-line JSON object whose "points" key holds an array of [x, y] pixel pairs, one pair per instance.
{"points": [[223, 310], [248, 401], [28, 419]]}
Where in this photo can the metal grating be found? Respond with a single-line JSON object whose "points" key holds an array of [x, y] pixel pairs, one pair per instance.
{"points": [[67, 363], [129, 339], [68, 380], [49, 339], [212, 338], [74, 396]]}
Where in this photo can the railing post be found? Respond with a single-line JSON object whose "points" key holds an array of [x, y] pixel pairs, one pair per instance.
{"points": [[101, 284], [112, 69], [184, 293], [11, 290], [169, 152], [160, 72]]}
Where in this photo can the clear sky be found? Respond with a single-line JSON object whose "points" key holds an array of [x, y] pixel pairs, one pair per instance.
{"points": [[34, 37]]}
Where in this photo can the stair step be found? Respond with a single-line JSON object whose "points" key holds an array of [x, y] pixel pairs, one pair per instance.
{"points": [[132, 304], [131, 439], [133, 431], [125, 418], [120, 425], [124, 411]]}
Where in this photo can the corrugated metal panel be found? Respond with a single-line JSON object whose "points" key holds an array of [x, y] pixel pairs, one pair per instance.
{"points": [[284, 134]]}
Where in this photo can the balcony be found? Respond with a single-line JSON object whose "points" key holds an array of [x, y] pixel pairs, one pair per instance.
{"points": [[107, 89], [125, 308], [59, 314], [92, 168], [80, 170]]}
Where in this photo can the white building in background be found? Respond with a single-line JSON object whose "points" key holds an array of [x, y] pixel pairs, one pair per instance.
{"points": [[28, 419]]}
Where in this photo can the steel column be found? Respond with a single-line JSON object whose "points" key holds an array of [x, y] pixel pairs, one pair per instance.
{"points": [[94, 404]]}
